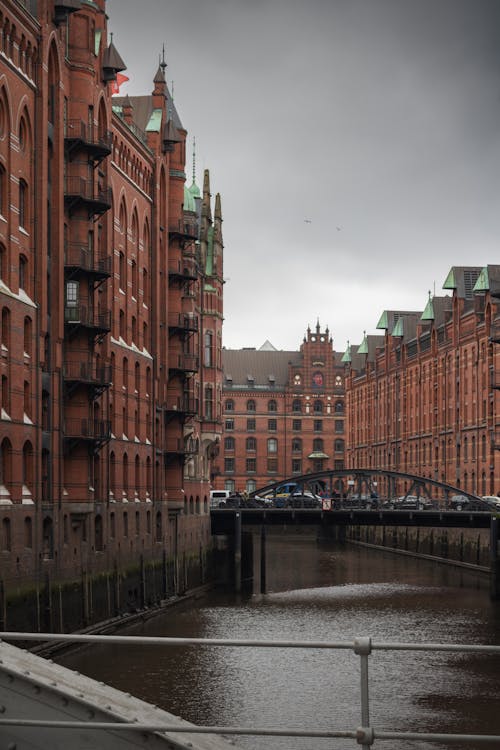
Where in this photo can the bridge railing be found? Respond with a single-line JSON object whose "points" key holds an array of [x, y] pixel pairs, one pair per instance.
{"points": [[365, 734]]}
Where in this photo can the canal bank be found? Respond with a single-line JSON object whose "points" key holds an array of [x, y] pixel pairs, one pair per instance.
{"points": [[319, 592]]}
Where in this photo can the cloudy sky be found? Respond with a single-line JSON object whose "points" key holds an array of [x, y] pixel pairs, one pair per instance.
{"points": [[355, 145]]}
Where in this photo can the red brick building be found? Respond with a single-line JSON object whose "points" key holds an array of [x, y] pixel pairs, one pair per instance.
{"points": [[283, 413], [111, 308], [423, 397]]}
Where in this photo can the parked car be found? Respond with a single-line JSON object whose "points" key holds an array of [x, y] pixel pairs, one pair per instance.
{"points": [[409, 502], [463, 502], [304, 499], [364, 501], [492, 501]]}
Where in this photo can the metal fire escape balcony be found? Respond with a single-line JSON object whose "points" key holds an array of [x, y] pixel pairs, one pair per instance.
{"points": [[183, 323], [81, 260], [495, 331], [185, 363], [81, 193], [183, 230], [88, 372], [182, 270], [178, 447], [85, 316], [81, 137], [93, 432], [185, 405]]}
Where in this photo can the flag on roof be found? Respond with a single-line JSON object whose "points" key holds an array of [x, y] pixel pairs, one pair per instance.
{"points": [[120, 79]]}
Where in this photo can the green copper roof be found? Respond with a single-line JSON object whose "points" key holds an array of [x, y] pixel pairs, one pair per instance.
{"points": [[194, 190], [363, 347], [450, 282], [483, 281], [189, 204], [428, 313], [398, 329], [383, 322], [347, 354], [154, 124], [209, 269]]}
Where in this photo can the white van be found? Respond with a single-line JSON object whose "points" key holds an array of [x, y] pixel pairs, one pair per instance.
{"points": [[218, 498]]}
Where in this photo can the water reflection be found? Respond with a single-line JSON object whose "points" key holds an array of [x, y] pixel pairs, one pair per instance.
{"points": [[318, 593]]}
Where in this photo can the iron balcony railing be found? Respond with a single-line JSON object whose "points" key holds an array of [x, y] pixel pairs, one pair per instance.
{"points": [[77, 255], [183, 229], [79, 190], [87, 429], [182, 404], [77, 132], [183, 322], [365, 734], [83, 315], [184, 362], [184, 269], [87, 371]]}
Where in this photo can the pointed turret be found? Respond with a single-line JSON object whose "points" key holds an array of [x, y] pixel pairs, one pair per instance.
{"points": [[112, 63], [218, 210]]}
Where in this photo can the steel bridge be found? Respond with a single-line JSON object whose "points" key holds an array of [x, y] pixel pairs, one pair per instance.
{"points": [[362, 482], [387, 484]]}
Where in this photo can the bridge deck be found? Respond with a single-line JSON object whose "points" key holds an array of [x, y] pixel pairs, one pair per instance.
{"points": [[223, 519]]}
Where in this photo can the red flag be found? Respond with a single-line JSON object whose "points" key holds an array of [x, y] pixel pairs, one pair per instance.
{"points": [[115, 86]]}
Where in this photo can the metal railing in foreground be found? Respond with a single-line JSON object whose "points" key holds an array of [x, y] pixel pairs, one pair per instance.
{"points": [[365, 734]]}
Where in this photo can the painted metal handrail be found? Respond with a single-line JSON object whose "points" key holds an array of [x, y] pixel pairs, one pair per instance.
{"points": [[365, 734]]}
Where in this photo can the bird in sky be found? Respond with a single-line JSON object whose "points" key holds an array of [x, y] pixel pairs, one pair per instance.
{"points": [[307, 221]]}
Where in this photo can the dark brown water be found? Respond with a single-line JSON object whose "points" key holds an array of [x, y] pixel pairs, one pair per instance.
{"points": [[324, 593]]}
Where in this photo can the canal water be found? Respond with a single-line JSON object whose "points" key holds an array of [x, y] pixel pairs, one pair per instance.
{"points": [[319, 593]]}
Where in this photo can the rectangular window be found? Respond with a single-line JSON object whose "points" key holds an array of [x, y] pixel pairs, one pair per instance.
{"points": [[229, 424], [339, 425], [318, 425], [272, 425], [296, 466], [250, 425], [229, 465], [272, 465], [296, 425], [338, 465], [251, 465]]}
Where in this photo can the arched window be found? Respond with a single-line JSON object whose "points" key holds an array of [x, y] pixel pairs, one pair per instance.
{"points": [[251, 444], [28, 532], [229, 405], [125, 524], [272, 405], [23, 205], [23, 272], [339, 407], [3, 191], [297, 405], [296, 445], [339, 447], [318, 444], [27, 336], [251, 405], [229, 444], [209, 395], [207, 349], [6, 535], [272, 445], [318, 406], [98, 533]]}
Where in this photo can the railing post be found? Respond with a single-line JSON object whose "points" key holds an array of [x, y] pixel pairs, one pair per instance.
{"points": [[363, 647], [263, 559], [237, 552]]}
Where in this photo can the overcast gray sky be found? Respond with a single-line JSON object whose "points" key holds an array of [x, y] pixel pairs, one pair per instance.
{"points": [[377, 121]]}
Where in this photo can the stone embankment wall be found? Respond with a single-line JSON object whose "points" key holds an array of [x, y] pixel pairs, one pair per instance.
{"points": [[63, 607], [456, 546]]}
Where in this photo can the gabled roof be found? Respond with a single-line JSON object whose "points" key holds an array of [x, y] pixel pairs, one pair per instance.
{"points": [[143, 111], [462, 280], [252, 368]]}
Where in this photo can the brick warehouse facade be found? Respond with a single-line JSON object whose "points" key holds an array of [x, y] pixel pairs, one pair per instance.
{"points": [[423, 397], [111, 310], [283, 413]]}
